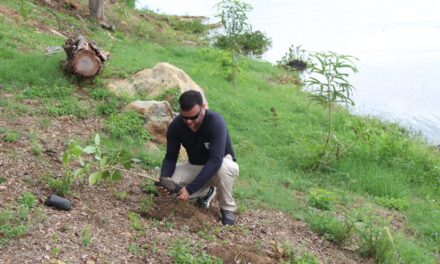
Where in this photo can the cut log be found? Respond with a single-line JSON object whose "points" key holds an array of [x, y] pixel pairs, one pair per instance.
{"points": [[84, 58]]}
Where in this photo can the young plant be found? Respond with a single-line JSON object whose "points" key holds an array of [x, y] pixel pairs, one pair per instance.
{"points": [[296, 58], [86, 237], [329, 85], [106, 166]]}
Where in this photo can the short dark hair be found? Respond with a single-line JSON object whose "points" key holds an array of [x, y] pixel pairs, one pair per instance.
{"points": [[189, 99]]}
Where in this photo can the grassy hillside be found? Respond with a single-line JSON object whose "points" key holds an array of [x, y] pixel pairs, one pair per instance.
{"points": [[378, 198]]}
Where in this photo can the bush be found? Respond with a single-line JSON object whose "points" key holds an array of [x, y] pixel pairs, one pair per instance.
{"points": [[332, 228], [321, 199], [252, 43], [374, 242]]}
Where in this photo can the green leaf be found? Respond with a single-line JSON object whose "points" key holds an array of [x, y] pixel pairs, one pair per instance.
{"points": [[65, 159], [89, 149], [103, 162], [127, 165], [95, 177], [97, 140], [75, 149], [116, 176], [105, 174]]}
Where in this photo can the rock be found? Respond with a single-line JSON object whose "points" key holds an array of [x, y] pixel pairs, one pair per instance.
{"points": [[157, 116], [153, 82], [122, 88], [151, 147]]}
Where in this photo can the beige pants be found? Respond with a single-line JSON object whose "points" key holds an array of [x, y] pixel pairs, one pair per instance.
{"points": [[186, 172]]}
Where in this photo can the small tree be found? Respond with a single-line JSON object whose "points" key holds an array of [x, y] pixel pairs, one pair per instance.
{"points": [[329, 85], [238, 37]]}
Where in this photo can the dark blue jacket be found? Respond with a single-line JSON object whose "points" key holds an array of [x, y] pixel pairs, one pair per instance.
{"points": [[208, 146]]}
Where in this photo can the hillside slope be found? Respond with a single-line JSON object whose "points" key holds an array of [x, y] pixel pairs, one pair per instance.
{"points": [[377, 202]]}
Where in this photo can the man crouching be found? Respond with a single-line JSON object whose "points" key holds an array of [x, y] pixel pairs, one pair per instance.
{"points": [[211, 168]]}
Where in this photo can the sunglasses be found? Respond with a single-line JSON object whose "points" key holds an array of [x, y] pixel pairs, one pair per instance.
{"points": [[194, 117]]}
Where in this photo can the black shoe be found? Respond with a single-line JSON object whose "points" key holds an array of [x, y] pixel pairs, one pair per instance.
{"points": [[228, 217], [205, 202]]}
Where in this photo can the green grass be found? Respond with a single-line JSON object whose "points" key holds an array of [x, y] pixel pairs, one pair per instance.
{"points": [[277, 132], [15, 219]]}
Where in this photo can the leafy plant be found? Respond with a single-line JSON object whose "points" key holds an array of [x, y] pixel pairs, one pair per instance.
{"points": [[182, 254], [122, 196], [329, 86], [171, 96], [147, 203], [306, 258], [135, 222], [375, 241], [296, 58], [321, 198], [27, 199], [393, 203], [106, 166], [11, 136], [252, 43], [86, 236]]}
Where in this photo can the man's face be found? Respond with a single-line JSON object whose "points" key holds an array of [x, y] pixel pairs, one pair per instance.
{"points": [[194, 117]]}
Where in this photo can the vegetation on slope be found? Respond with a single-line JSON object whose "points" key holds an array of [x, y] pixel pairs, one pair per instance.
{"points": [[381, 195]]}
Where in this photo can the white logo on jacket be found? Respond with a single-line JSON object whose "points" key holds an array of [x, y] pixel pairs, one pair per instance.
{"points": [[207, 145]]}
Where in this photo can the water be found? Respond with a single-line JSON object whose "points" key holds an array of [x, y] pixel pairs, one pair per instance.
{"points": [[396, 41]]}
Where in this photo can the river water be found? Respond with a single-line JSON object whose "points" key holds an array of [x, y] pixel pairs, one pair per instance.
{"points": [[397, 43]]}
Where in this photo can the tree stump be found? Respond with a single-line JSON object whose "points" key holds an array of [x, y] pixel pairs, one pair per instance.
{"points": [[84, 58]]}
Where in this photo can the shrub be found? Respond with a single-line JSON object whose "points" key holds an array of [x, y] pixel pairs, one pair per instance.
{"points": [[332, 228], [374, 242], [252, 43], [398, 204], [296, 58], [321, 199]]}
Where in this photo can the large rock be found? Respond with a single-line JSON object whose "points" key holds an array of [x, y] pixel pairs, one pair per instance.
{"points": [[157, 116], [153, 82]]}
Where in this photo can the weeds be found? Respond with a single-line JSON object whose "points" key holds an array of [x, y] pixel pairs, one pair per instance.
{"points": [[122, 196], [393, 203], [86, 236], [375, 241], [14, 220], [127, 128], [332, 228], [321, 199], [147, 203], [135, 222], [181, 253]]}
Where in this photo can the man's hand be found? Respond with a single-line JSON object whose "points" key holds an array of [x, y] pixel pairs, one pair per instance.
{"points": [[162, 190], [183, 195]]}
